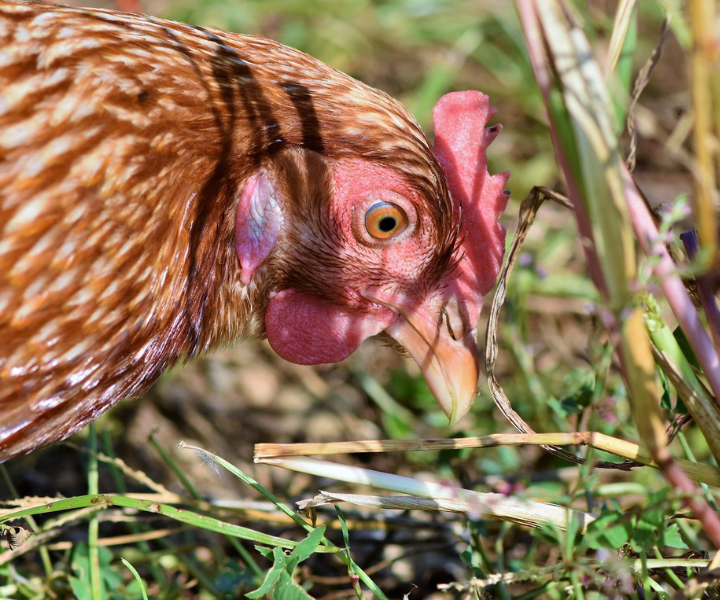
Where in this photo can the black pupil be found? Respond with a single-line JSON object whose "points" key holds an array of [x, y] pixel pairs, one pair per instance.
{"points": [[387, 224]]}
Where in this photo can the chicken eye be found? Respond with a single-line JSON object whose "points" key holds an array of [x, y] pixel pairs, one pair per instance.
{"points": [[385, 220]]}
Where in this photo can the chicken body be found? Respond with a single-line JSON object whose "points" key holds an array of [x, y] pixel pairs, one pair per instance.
{"points": [[132, 151]]}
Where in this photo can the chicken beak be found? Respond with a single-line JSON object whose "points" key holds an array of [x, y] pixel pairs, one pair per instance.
{"points": [[450, 366]]}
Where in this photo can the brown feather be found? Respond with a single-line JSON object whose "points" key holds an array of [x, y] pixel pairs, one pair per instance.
{"points": [[124, 142]]}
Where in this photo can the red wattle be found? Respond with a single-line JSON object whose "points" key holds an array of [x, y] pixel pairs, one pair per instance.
{"points": [[307, 330]]}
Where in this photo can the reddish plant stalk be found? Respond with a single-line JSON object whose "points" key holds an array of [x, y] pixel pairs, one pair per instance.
{"points": [[671, 284], [707, 298]]}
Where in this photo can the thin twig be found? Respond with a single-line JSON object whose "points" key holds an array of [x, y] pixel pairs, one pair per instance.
{"points": [[640, 83]]}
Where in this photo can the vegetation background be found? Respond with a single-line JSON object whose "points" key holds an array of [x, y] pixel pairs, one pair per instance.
{"points": [[556, 364]]}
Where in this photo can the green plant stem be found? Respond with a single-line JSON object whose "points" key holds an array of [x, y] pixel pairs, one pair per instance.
{"points": [[501, 588], [645, 574], [669, 572], [543, 589], [691, 456], [167, 459], [177, 514], [704, 410], [137, 577], [136, 528], [577, 588], [93, 524]]}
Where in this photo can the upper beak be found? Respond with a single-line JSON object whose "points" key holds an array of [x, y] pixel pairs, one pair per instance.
{"points": [[450, 366]]}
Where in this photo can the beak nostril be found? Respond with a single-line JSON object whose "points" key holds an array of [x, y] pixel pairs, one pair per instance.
{"points": [[453, 320], [446, 318]]}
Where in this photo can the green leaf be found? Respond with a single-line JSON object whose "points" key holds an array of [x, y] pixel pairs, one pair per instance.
{"points": [[272, 577], [306, 548], [666, 400], [278, 582], [565, 407], [80, 588], [645, 536], [80, 567], [232, 577], [654, 516], [343, 526], [266, 552], [671, 537], [611, 530], [287, 589]]}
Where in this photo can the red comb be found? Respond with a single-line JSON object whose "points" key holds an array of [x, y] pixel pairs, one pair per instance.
{"points": [[461, 141]]}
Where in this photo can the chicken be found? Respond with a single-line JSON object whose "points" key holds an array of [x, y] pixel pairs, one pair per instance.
{"points": [[166, 189]]}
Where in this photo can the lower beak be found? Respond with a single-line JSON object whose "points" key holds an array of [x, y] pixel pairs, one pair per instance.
{"points": [[450, 366]]}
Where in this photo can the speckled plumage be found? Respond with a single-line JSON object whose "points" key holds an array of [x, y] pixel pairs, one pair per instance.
{"points": [[124, 140]]}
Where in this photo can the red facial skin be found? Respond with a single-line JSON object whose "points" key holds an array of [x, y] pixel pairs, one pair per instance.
{"points": [[432, 315]]}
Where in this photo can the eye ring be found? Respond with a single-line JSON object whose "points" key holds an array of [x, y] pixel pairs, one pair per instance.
{"points": [[385, 220]]}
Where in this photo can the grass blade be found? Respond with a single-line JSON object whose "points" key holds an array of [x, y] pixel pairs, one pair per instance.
{"points": [[497, 506]]}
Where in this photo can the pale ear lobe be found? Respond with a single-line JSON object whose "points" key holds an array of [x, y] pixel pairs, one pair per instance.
{"points": [[258, 223]]}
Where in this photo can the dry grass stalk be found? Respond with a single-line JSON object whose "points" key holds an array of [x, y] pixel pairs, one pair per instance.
{"points": [[621, 25], [624, 449], [642, 80], [528, 211], [496, 506], [704, 70], [387, 502]]}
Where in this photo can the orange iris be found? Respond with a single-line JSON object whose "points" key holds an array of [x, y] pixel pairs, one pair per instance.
{"points": [[385, 220]]}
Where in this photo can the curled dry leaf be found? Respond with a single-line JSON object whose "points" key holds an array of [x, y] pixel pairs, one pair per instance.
{"points": [[528, 211], [15, 535]]}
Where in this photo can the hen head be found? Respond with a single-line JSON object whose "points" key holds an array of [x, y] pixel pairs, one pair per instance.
{"points": [[351, 248]]}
